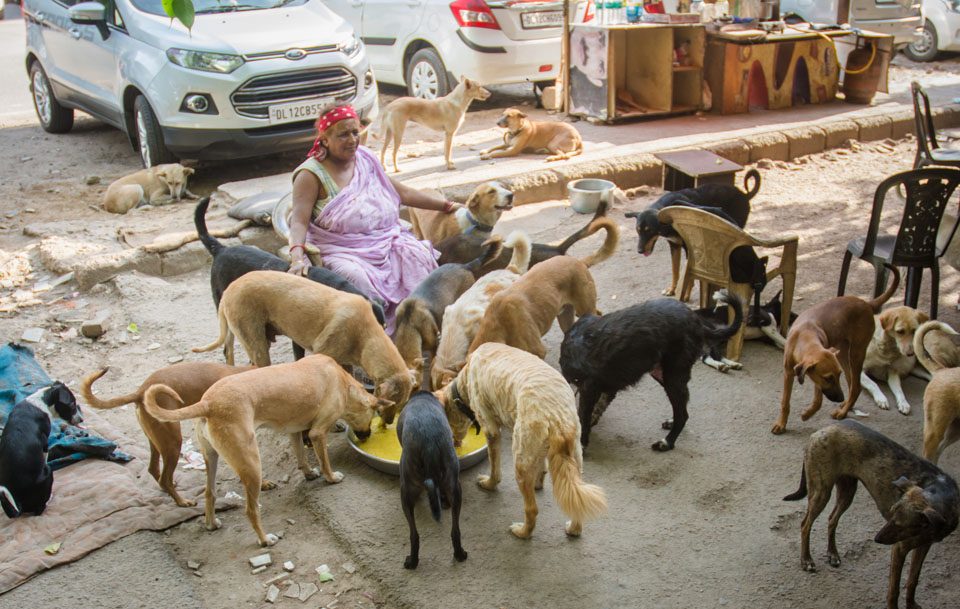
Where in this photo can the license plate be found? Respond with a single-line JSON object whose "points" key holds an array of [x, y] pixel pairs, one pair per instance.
{"points": [[297, 111], [541, 19]]}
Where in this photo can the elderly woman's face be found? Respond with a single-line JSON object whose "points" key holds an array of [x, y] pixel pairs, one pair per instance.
{"points": [[342, 139]]}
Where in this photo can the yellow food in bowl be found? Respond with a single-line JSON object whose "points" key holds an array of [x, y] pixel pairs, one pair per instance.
{"points": [[384, 444]]}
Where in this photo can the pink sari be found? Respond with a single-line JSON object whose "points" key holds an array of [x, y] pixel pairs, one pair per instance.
{"points": [[359, 236]]}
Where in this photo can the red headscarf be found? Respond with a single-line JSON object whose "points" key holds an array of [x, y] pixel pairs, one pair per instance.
{"points": [[324, 122]]}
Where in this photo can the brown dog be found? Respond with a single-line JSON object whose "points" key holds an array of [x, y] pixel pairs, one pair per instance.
{"points": [[941, 399], [826, 340], [560, 140], [479, 215], [309, 394], [188, 379], [152, 186], [319, 318]]}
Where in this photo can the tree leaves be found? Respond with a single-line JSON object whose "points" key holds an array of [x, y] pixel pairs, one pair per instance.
{"points": [[181, 10]]}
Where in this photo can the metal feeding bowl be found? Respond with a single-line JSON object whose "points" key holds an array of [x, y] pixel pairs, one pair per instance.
{"points": [[388, 466], [586, 194]]}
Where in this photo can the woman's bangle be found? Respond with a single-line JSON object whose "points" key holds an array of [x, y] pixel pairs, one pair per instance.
{"points": [[448, 206], [300, 245]]}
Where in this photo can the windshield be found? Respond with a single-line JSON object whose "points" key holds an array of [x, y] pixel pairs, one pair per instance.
{"points": [[155, 7]]}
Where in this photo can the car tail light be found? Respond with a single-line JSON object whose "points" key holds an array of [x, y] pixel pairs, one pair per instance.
{"points": [[474, 13]]}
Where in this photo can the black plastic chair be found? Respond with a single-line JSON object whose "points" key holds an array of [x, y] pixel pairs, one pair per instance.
{"points": [[928, 192], [929, 151]]}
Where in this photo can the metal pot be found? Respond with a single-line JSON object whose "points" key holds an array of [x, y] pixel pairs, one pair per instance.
{"points": [[586, 194]]}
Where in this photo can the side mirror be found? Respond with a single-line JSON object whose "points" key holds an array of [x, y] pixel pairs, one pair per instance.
{"points": [[90, 13]]}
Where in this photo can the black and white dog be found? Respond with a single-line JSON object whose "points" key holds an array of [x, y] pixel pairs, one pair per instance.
{"points": [[763, 322], [25, 478]]}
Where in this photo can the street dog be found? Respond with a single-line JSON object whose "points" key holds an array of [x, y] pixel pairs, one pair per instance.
{"points": [[941, 345], [309, 394], [428, 462], [444, 114], [478, 215], [26, 480], [603, 355], [761, 323], [317, 317], [941, 399], [420, 315], [920, 502], [190, 380], [829, 340], [559, 288], [890, 355], [561, 140], [461, 320], [152, 186], [506, 388], [723, 200]]}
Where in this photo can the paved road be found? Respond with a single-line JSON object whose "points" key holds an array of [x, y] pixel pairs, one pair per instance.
{"points": [[16, 106]]}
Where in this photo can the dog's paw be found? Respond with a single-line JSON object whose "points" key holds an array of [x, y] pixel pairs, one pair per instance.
{"points": [[486, 483], [834, 560], [312, 473], [269, 540], [904, 408], [520, 530], [268, 485], [883, 403], [838, 414], [186, 502], [669, 291], [335, 478], [410, 562], [778, 429], [486, 157], [661, 446], [213, 526], [460, 555], [573, 529], [809, 566], [451, 167]]}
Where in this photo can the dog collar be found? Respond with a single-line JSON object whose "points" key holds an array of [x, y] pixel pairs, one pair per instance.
{"points": [[463, 407], [476, 225]]}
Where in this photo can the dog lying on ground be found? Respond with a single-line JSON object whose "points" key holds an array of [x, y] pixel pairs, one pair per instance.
{"points": [[152, 186], [420, 315], [190, 380], [561, 140], [428, 462], [461, 320], [316, 317], [941, 399], [309, 394], [444, 114], [920, 502], [502, 387], [760, 323], [478, 215], [890, 355], [723, 200], [26, 480], [604, 355], [829, 340]]}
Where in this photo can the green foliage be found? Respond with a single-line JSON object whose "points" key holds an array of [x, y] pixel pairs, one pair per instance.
{"points": [[181, 10]]}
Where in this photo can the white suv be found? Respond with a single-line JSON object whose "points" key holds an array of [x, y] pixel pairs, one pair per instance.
{"points": [[247, 80], [428, 44], [900, 18]]}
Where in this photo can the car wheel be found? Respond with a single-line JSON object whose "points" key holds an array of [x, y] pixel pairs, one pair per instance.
{"points": [[924, 48], [149, 137], [426, 75], [54, 118]]}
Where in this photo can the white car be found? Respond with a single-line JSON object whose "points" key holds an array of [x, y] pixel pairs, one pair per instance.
{"points": [[900, 18], [426, 45], [248, 80], [941, 30]]}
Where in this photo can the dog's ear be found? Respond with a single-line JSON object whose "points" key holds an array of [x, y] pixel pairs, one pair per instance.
{"points": [[934, 517], [632, 214], [904, 484], [887, 320], [800, 370], [473, 202], [521, 114], [382, 403], [922, 317], [188, 171], [463, 78]]}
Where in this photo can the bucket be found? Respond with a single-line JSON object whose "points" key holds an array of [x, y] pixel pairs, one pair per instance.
{"points": [[585, 195]]}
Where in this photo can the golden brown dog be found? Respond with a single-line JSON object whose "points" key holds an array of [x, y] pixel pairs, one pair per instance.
{"points": [[557, 288], [941, 400], [825, 341], [502, 387], [318, 318], [890, 355], [190, 380], [309, 394], [444, 114], [478, 215], [560, 140], [152, 186]]}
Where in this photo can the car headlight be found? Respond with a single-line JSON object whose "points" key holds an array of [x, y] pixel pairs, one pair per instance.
{"points": [[205, 61], [351, 47]]}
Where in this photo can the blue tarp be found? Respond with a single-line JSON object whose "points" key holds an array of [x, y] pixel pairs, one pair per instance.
{"points": [[21, 376]]}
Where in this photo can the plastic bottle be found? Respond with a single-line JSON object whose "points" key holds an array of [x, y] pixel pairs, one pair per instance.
{"points": [[633, 12], [598, 11], [619, 16]]}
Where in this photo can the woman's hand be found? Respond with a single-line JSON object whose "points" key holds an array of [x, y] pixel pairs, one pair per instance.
{"points": [[453, 207], [300, 263]]}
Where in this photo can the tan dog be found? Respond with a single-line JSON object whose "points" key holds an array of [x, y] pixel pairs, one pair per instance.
{"points": [[557, 288], [462, 319], [190, 380], [502, 387], [319, 318], [478, 215], [825, 341], [444, 114], [561, 140], [942, 347], [152, 186], [941, 400], [309, 394], [890, 355]]}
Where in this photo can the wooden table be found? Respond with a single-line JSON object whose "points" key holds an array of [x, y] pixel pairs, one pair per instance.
{"points": [[691, 168]]}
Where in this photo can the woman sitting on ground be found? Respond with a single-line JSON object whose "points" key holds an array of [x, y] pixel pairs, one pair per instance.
{"points": [[345, 205]]}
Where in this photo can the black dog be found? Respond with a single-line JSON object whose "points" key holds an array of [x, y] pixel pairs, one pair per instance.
{"points": [[662, 337], [25, 478], [428, 462]]}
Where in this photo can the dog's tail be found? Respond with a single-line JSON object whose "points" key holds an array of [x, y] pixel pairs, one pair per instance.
{"points": [[493, 246], [8, 503], [200, 223], [609, 247], [193, 411], [802, 491], [922, 356], [224, 333], [86, 390], [751, 191], [586, 231], [578, 500], [433, 495], [520, 260], [879, 301], [722, 333]]}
